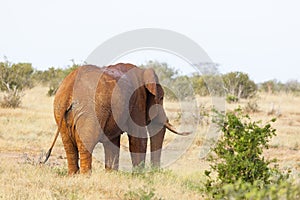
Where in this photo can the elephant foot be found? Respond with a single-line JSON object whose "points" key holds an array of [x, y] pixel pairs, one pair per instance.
{"points": [[86, 164], [86, 171], [73, 167], [72, 172], [112, 153], [111, 166], [110, 170]]}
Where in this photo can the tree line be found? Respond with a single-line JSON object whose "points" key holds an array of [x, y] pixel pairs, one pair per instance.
{"points": [[16, 77], [236, 85]]}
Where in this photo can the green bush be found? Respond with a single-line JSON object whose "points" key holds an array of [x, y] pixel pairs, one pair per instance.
{"points": [[53, 77], [17, 76], [14, 78], [238, 161], [231, 98], [276, 191], [141, 194]]}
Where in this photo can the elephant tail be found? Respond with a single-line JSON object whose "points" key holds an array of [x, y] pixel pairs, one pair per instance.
{"points": [[53, 143], [56, 135]]}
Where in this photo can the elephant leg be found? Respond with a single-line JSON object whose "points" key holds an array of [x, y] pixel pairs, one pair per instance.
{"points": [[85, 148], [71, 150], [112, 153], [157, 134], [85, 160], [138, 148]]}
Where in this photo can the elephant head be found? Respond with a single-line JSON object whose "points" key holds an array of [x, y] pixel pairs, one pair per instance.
{"points": [[157, 121]]}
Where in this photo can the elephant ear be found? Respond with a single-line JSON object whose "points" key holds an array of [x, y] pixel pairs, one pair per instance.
{"points": [[152, 84]]}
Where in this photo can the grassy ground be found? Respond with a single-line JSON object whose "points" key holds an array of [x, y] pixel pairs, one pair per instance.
{"points": [[26, 132]]}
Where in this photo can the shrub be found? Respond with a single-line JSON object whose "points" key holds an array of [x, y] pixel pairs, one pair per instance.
{"points": [[238, 160], [231, 98], [276, 191], [13, 79], [141, 193], [16, 75], [53, 86], [53, 77], [11, 99], [251, 106]]}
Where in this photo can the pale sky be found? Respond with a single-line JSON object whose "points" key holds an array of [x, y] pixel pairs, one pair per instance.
{"points": [[257, 37]]}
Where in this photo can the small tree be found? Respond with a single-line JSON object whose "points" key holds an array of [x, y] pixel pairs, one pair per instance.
{"points": [[12, 98], [292, 86], [16, 75], [238, 84], [238, 153], [199, 85], [13, 79]]}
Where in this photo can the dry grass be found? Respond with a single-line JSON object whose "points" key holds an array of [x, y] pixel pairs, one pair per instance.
{"points": [[26, 132]]}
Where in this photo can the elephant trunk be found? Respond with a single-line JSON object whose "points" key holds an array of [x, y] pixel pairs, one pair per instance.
{"points": [[172, 129]]}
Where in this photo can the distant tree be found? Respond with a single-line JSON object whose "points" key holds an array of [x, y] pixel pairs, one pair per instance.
{"points": [[183, 87], [4, 75], [271, 86], [199, 85], [17, 76], [239, 85], [292, 86], [22, 74], [210, 83], [274, 86], [163, 70], [55, 76], [268, 86], [215, 84], [13, 79]]}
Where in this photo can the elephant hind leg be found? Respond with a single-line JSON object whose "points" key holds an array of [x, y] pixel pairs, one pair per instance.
{"points": [[85, 160], [71, 150], [85, 148], [112, 153]]}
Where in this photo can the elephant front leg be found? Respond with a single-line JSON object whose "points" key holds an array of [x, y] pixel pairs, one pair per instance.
{"points": [[157, 134], [138, 148], [112, 153]]}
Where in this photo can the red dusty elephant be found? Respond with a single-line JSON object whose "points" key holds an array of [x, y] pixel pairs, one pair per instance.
{"points": [[96, 104]]}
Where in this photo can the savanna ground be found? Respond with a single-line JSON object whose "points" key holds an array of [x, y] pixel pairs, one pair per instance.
{"points": [[27, 132]]}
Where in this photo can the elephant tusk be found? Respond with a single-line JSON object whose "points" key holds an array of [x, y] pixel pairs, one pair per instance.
{"points": [[172, 129]]}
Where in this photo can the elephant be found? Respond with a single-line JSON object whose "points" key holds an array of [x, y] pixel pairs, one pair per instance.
{"points": [[97, 104]]}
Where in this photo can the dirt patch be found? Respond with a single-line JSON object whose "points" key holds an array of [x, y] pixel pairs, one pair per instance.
{"points": [[32, 159]]}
